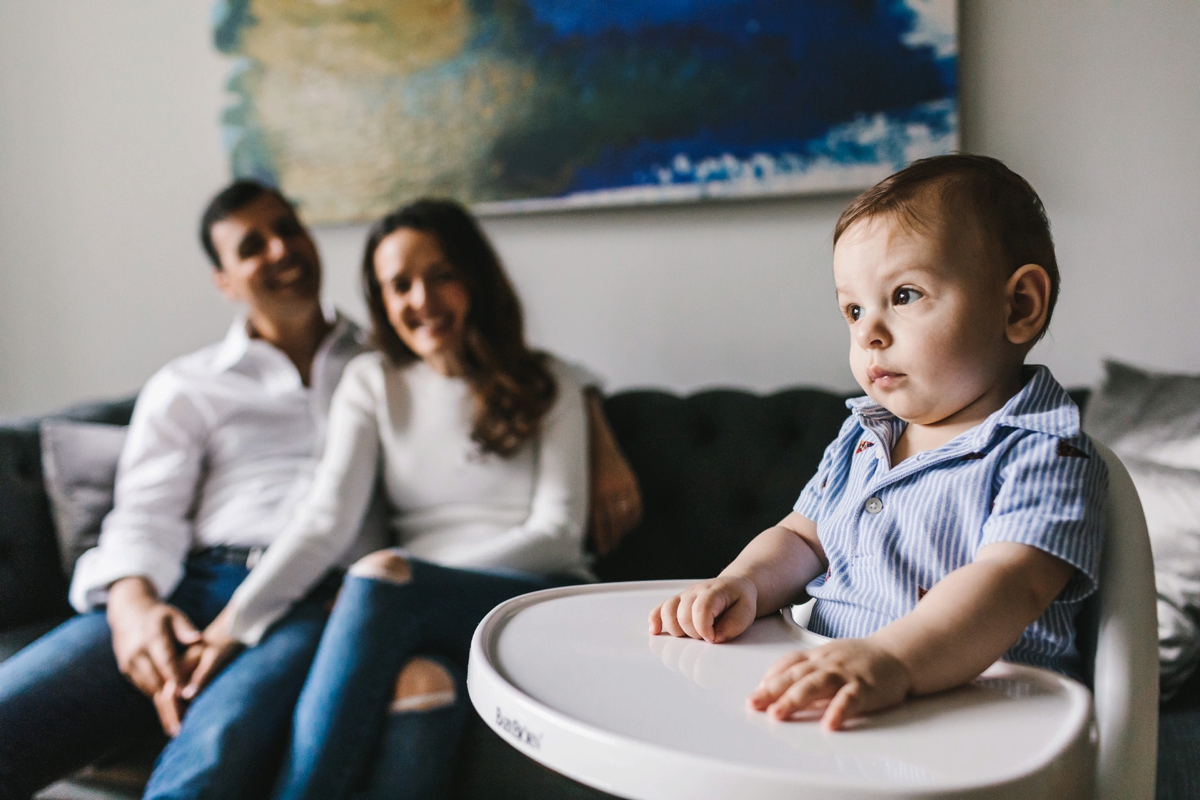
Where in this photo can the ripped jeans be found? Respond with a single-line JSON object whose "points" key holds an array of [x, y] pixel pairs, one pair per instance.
{"points": [[348, 738]]}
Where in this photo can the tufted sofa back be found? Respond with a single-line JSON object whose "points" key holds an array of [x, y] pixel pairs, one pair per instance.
{"points": [[716, 468]]}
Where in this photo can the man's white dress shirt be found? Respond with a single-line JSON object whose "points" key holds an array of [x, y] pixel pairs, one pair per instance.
{"points": [[222, 446]]}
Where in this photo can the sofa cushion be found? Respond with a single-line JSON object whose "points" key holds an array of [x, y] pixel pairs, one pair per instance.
{"points": [[79, 465], [1178, 755]]}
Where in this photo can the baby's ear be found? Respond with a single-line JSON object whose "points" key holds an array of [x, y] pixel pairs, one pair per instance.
{"points": [[1028, 296]]}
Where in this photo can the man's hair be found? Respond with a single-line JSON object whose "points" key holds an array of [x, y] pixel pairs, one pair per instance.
{"points": [[236, 195], [942, 189]]}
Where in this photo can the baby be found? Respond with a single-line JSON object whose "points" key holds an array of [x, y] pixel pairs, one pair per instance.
{"points": [[955, 520]]}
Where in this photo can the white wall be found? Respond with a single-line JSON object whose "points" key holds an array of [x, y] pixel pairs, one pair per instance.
{"points": [[109, 150], [1098, 105]]}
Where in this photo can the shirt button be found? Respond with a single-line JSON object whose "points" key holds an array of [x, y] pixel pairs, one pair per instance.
{"points": [[874, 505]]}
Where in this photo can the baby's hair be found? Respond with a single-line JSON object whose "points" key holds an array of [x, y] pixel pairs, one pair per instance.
{"points": [[1007, 209]]}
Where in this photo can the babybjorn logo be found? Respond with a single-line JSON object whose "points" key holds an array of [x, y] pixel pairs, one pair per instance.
{"points": [[517, 730]]}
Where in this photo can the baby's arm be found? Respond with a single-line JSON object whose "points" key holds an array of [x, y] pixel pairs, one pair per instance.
{"points": [[769, 573], [966, 621]]}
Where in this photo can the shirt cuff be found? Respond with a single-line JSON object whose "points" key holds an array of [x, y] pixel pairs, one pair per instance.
{"points": [[808, 505], [97, 570], [248, 625], [1075, 544]]}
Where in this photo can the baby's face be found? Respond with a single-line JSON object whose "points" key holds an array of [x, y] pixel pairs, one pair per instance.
{"points": [[927, 319]]}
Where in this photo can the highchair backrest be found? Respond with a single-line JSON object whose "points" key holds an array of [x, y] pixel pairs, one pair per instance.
{"points": [[1125, 682]]}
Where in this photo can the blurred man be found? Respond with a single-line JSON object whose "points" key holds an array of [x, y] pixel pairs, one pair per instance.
{"points": [[222, 444]]}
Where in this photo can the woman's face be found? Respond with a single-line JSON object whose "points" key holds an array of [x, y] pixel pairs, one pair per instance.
{"points": [[425, 299]]}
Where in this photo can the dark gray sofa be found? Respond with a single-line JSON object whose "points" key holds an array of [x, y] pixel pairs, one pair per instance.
{"points": [[715, 467]]}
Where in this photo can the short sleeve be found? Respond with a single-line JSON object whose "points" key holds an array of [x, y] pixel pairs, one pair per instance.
{"points": [[812, 497], [1051, 496]]}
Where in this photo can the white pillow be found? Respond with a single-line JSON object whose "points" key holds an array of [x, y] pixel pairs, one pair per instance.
{"points": [[1152, 422], [1153, 417], [79, 468], [1171, 500]]}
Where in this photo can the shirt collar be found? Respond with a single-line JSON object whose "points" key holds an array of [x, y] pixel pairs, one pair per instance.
{"points": [[1042, 405], [236, 344]]}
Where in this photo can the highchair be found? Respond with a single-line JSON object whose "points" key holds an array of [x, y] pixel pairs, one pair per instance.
{"points": [[572, 679]]}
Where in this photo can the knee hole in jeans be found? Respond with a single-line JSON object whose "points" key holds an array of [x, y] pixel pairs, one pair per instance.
{"points": [[423, 685], [383, 565]]}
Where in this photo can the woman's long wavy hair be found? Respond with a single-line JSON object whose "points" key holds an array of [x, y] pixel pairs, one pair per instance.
{"points": [[511, 384]]}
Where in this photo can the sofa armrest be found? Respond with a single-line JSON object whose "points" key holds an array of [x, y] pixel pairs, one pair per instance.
{"points": [[32, 585]]}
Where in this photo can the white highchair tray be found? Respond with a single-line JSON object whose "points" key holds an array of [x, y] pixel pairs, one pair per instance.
{"points": [[572, 678]]}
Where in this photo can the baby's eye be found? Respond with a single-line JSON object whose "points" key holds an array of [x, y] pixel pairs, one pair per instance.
{"points": [[907, 295], [853, 313]]}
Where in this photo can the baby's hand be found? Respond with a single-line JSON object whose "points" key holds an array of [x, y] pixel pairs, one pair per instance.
{"points": [[849, 677], [715, 611]]}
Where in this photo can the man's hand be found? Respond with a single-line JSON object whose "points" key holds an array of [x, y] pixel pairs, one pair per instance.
{"points": [[847, 677], [716, 610], [206, 658], [146, 633]]}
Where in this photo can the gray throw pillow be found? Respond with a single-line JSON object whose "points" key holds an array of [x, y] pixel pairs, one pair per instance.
{"points": [[79, 467], [1152, 422]]}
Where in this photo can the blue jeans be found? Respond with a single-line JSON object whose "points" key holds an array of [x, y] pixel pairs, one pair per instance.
{"points": [[344, 740], [64, 703]]}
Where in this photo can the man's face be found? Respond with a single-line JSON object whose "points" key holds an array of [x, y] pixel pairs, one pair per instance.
{"points": [[927, 317], [268, 260]]}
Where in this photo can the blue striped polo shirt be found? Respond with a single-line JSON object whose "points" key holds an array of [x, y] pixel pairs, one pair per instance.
{"points": [[1027, 474]]}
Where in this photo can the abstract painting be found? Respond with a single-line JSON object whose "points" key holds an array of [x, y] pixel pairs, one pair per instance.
{"points": [[352, 107]]}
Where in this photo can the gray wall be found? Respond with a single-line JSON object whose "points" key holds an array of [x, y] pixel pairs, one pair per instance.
{"points": [[109, 149]]}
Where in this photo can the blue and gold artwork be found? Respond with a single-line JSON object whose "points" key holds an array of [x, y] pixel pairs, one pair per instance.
{"points": [[355, 106]]}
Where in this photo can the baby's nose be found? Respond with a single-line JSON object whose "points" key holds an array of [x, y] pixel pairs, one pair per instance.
{"points": [[872, 333]]}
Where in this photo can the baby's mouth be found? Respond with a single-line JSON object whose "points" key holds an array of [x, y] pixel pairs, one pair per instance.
{"points": [[884, 377]]}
